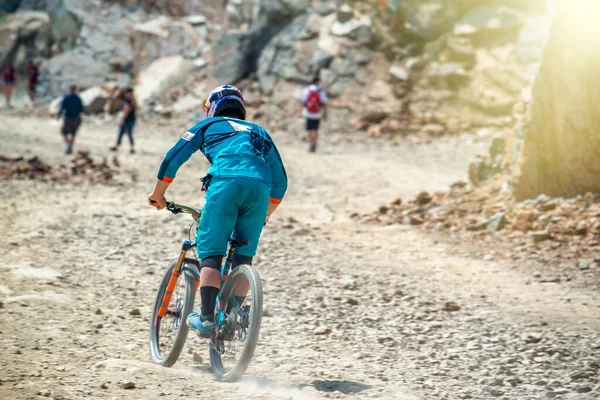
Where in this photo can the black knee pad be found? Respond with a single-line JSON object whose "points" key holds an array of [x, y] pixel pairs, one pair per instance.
{"points": [[212, 262], [239, 259]]}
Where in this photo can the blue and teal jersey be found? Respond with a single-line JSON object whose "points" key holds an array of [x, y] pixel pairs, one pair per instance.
{"points": [[235, 149]]}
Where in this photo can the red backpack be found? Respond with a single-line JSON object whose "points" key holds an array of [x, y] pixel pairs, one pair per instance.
{"points": [[313, 101]]}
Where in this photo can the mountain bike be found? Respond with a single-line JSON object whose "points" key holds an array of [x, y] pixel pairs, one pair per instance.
{"points": [[237, 317]]}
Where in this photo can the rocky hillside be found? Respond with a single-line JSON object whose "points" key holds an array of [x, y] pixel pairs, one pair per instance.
{"points": [[426, 67]]}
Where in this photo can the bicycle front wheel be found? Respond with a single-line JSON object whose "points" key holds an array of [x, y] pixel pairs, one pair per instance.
{"points": [[233, 342], [168, 333]]}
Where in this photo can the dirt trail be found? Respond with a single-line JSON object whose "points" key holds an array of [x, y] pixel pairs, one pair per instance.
{"points": [[78, 259]]}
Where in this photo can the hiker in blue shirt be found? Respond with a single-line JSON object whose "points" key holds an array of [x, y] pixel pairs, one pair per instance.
{"points": [[71, 107], [245, 183]]}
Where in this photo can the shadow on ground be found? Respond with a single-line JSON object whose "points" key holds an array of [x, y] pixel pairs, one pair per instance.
{"points": [[346, 387]]}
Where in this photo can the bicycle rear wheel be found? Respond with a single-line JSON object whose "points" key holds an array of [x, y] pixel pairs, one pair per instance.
{"points": [[242, 326], [168, 334]]}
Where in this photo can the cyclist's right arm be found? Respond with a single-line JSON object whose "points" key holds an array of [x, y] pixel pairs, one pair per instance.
{"points": [[189, 143]]}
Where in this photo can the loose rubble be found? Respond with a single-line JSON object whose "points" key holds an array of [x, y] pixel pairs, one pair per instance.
{"points": [[558, 230], [82, 168]]}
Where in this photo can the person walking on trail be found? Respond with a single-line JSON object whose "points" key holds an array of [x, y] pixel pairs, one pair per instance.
{"points": [[244, 184], [314, 108], [33, 73], [9, 79], [127, 120], [71, 107]]}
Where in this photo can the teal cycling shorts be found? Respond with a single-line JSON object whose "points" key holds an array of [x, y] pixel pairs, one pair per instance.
{"points": [[234, 206]]}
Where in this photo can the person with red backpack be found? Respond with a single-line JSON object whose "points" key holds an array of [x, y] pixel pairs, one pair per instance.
{"points": [[314, 108]]}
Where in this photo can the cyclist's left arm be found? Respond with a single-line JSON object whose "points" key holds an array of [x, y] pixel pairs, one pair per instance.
{"points": [[279, 180]]}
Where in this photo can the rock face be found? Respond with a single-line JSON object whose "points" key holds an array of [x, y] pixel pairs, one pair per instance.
{"points": [[28, 29], [65, 25], [561, 148], [162, 37], [65, 70], [230, 55]]}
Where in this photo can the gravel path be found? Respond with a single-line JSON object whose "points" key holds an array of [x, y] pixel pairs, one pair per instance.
{"points": [[352, 311]]}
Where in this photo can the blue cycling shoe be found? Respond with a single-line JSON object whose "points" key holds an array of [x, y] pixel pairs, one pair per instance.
{"points": [[202, 325]]}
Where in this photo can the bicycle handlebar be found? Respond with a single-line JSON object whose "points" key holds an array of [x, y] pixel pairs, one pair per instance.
{"points": [[180, 209]]}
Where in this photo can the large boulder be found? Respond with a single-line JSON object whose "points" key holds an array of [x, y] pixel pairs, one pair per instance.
{"points": [[487, 24], [430, 20], [188, 103], [162, 37], [30, 29], [161, 75], [561, 145], [359, 29], [74, 67], [107, 36]]}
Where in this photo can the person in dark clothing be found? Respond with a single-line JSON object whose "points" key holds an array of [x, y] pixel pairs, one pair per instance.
{"points": [[127, 120], [33, 78], [71, 107], [9, 79]]}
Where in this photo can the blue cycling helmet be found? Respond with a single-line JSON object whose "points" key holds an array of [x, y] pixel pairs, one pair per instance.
{"points": [[226, 100]]}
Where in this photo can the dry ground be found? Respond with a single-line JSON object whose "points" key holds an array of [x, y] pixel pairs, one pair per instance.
{"points": [[77, 259]]}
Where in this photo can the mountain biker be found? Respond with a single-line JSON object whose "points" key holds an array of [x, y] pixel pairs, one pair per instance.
{"points": [[245, 183], [314, 107]]}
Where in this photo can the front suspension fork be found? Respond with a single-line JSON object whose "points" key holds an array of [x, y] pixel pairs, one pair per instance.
{"points": [[162, 311]]}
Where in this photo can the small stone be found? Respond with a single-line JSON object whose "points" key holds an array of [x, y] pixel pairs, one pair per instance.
{"points": [[556, 393], [125, 384], [98, 311], [533, 338], [416, 220], [104, 386], [451, 306], [523, 220], [424, 198], [322, 330], [540, 236], [348, 283], [496, 222], [98, 326], [488, 257], [345, 13], [398, 73], [197, 358], [584, 266], [583, 389], [579, 375], [514, 380], [352, 302], [135, 311]]}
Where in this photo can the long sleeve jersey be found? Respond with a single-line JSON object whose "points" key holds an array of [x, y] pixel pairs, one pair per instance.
{"points": [[234, 148]]}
